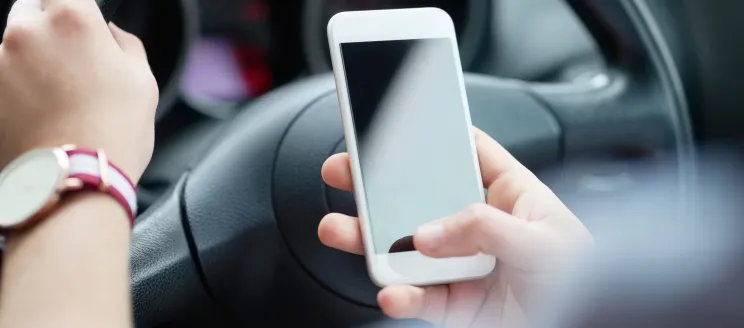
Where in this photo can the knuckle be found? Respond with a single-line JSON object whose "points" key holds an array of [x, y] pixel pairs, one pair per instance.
{"points": [[68, 16], [18, 35], [476, 217], [478, 211]]}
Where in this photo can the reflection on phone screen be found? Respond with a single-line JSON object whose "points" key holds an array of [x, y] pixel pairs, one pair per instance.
{"points": [[413, 141]]}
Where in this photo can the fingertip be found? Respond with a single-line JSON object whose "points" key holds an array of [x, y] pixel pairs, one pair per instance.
{"points": [[341, 232], [401, 302], [429, 238], [327, 231], [336, 161], [387, 303], [336, 172]]}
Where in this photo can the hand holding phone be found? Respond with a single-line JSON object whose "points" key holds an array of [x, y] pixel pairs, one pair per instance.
{"points": [[523, 224], [403, 103], [418, 171]]}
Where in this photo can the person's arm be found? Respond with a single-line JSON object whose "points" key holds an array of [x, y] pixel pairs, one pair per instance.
{"points": [[71, 270], [68, 78]]}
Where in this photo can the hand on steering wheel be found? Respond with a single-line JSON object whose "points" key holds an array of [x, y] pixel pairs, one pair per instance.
{"points": [[523, 224], [66, 77]]}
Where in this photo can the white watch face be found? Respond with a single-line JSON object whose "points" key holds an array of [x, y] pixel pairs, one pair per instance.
{"points": [[29, 183]]}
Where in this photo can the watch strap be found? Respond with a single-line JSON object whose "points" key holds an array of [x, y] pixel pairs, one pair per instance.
{"points": [[96, 173]]}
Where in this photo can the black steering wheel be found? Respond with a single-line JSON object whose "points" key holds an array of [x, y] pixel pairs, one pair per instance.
{"points": [[235, 241]]}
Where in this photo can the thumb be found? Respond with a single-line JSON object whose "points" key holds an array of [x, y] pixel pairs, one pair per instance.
{"points": [[484, 229], [128, 42]]}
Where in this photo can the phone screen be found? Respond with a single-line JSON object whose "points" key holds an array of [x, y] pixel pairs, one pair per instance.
{"points": [[416, 158]]}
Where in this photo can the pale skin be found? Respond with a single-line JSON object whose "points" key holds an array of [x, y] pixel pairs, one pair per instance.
{"points": [[66, 77], [523, 224]]}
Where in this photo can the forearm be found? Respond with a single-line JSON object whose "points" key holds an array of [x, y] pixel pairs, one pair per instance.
{"points": [[71, 269]]}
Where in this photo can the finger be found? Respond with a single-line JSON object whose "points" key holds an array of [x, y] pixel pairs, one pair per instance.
{"points": [[74, 19], [341, 232], [409, 302], [479, 229], [336, 172], [24, 20], [464, 301], [129, 43]]}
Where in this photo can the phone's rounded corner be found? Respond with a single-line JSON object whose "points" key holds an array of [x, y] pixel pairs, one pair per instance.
{"points": [[380, 282], [378, 277], [331, 24], [488, 267], [442, 15], [485, 267]]}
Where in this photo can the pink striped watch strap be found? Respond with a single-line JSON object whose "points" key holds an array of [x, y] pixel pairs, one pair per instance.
{"points": [[86, 166]]}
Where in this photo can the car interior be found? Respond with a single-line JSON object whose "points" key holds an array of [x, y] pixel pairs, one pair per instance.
{"points": [[230, 205]]}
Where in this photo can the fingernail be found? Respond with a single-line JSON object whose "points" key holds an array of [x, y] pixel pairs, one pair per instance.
{"points": [[430, 235]]}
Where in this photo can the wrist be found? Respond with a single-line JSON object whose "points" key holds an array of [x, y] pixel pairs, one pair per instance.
{"points": [[94, 202], [82, 216]]}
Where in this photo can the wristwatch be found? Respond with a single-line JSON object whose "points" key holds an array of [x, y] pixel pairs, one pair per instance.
{"points": [[33, 185]]}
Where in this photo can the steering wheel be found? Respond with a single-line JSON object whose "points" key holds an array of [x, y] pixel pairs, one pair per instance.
{"points": [[236, 239]]}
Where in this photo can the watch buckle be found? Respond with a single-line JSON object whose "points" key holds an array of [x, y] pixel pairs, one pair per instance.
{"points": [[103, 167]]}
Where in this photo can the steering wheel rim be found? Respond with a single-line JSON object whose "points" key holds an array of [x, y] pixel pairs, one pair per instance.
{"points": [[227, 239]]}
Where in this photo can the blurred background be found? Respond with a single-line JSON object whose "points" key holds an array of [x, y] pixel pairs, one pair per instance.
{"points": [[248, 47]]}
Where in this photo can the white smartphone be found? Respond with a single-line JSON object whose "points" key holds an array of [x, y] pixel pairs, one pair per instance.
{"points": [[408, 133]]}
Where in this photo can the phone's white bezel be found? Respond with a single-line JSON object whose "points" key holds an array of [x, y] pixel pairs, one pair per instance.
{"points": [[399, 24]]}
